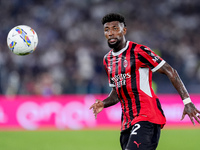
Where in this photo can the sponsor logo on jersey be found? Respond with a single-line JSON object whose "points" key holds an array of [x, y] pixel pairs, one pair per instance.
{"points": [[120, 79]]}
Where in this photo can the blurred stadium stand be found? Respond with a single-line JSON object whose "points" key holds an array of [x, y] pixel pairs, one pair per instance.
{"points": [[71, 46]]}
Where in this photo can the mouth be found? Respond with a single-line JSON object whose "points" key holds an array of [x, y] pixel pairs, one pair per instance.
{"points": [[112, 41]]}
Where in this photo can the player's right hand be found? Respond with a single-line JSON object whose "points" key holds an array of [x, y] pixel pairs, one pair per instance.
{"points": [[97, 107]]}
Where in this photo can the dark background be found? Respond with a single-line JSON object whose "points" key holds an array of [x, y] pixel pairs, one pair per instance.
{"points": [[68, 59]]}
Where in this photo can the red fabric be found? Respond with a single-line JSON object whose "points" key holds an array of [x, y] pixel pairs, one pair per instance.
{"points": [[123, 73]]}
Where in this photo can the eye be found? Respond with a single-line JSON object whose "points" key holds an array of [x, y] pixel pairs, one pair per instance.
{"points": [[106, 30]]}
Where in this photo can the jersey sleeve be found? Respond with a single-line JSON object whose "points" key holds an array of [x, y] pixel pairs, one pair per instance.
{"points": [[149, 58], [107, 69]]}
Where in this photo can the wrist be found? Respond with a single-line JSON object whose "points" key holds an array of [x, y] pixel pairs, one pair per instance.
{"points": [[104, 103], [187, 100]]}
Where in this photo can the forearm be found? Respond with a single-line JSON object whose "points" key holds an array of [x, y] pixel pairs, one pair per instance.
{"points": [[112, 99], [178, 84], [175, 80]]}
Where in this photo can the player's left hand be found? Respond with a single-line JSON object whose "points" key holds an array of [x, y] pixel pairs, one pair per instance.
{"points": [[192, 112]]}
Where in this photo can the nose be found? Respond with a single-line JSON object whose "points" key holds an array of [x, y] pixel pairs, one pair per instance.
{"points": [[110, 33]]}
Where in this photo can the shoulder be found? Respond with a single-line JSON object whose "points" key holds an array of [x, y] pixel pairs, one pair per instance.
{"points": [[143, 48], [140, 47]]}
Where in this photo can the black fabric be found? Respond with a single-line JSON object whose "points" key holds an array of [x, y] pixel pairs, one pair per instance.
{"points": [[143, 135]]}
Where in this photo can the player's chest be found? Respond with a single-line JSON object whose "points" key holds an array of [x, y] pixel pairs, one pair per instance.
{"points": [[123, 64]]}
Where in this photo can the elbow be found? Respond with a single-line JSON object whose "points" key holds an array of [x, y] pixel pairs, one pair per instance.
{"points": [[174, 71], [173, 75], [169, 71]]}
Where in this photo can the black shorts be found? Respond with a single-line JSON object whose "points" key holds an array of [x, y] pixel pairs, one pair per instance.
{"points": [[143, 135]]}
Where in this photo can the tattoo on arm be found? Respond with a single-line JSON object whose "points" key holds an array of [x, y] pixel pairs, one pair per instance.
{"points": [[112, 99], [173, 76]]}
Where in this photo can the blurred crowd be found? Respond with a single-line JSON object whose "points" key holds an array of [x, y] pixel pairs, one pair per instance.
{"points": [[68, 59]]}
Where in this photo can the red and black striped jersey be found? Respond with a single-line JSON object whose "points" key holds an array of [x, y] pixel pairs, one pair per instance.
{"points": [[130, 72]]}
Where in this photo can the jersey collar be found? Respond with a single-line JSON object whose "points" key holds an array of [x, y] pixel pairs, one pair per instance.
{"points": [[122, 50]]}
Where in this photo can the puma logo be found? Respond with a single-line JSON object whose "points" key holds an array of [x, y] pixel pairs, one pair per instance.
{"points": [[138, 144]]}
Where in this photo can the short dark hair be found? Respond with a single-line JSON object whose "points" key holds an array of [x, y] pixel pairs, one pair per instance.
{"points": [[113, 17]]}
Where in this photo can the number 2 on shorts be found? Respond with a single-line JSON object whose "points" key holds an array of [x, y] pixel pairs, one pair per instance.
{"points": [[135, 128]]}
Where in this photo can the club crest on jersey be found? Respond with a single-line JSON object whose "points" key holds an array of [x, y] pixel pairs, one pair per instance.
{"points": [[125, 63]]}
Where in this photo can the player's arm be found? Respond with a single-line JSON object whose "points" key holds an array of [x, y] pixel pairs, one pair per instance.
{"points": [[98, 106], [112, 99], [173, 76]]}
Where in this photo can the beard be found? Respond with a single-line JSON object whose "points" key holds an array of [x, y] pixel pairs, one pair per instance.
{"points": [[115, 45]]}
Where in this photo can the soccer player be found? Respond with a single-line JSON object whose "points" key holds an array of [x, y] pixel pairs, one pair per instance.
{"points": [[129, 67]]}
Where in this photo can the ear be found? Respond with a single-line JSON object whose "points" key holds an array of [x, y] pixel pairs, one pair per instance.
{"points": [[124, 30]]}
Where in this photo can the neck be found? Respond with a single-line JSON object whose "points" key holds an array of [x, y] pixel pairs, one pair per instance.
{"points": [[120, 46]]}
